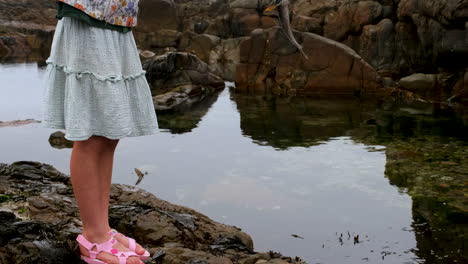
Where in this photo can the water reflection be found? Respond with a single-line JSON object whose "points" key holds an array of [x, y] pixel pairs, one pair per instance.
{"points": [[21, 90], [427, 155], [290, 122], [185, 118], [318, 168]]}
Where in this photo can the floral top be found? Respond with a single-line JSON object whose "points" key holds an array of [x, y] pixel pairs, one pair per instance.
{"points": [[116, 12]]}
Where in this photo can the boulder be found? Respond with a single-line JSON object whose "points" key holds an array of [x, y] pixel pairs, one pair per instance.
{"points": [[270, 64]]}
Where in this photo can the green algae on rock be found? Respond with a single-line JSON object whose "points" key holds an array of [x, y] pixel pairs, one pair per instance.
{"points": [[427, 157]]}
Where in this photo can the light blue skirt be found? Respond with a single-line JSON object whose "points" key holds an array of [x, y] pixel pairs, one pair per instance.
{"points": [[95, 84]]}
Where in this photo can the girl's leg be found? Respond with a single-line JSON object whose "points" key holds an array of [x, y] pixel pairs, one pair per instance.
{"points": [[91, 172], [107, 162]]}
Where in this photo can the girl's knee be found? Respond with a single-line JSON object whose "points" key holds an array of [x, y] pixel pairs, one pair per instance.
{"points": [[97, 143]]}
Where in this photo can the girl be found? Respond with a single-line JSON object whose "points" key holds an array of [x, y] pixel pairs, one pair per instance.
{"points": [[96, 90]]}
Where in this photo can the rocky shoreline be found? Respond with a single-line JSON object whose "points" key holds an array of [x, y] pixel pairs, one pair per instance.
{"points": [[39, 222]]}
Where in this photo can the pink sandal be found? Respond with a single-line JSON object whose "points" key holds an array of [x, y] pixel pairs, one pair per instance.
{"points": [[103, 247], [131, 244]]}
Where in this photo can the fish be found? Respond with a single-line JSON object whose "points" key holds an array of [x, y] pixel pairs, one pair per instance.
{"points": [[140, 176], [283, 14]]}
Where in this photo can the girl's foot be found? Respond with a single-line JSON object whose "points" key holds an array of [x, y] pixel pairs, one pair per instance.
{"points": [[105, 256], [124, 241]]}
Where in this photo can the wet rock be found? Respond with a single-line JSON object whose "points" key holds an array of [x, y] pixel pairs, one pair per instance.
{"points": [[180, 78], [15, 123], [46, 234], [419, 83], [58, 140], [224, 243]]}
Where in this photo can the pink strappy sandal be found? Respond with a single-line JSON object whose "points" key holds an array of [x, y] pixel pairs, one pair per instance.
{"points": [[131, 244], [103, 247]]}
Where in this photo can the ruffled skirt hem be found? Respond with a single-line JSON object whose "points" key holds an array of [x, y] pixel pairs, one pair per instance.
{"points": [[85, 105]]}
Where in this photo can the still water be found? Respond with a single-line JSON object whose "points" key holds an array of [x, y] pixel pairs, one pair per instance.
{"points": [[303, 177]]}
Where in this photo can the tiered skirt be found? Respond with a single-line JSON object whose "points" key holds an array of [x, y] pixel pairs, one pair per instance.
{"points": [[95, 84]]}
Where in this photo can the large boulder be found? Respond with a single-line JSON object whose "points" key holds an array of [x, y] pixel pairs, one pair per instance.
{"points": [[270, 64]]}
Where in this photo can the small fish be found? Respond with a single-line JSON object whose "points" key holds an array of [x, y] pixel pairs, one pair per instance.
{"points": [[140, 175], [296, 236]]}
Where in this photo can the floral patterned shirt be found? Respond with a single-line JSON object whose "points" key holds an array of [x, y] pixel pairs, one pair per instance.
{"points": [[116, 12]]}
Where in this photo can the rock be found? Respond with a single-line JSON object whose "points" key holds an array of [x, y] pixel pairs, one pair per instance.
{"points": [[203, 45], [156, 15], [419, 83], [15, 123], [38, 12], [178, 77], [26, 29], [269, 64], [147, 54], [58, 140], [376, 44], [350, 18], [460, 90], [307, 24], [173, 233], [315, 9], [249, 4], [162, 38]]}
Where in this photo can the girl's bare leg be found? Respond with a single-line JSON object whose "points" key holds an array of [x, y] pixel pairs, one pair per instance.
{"points": [[91, 166], [106, 172]]}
